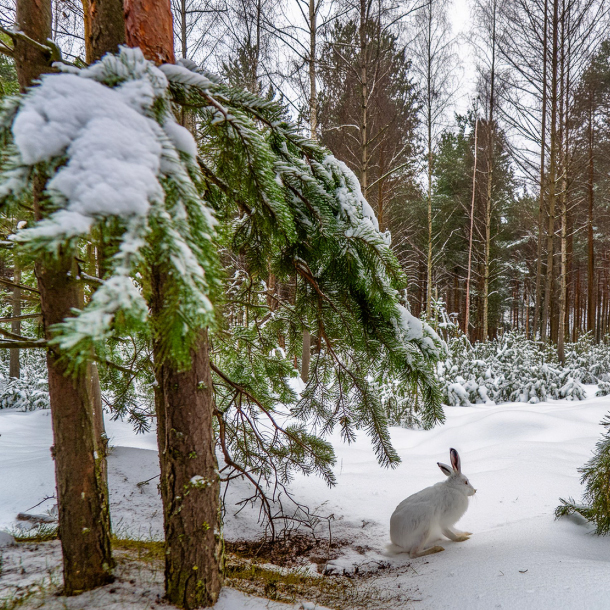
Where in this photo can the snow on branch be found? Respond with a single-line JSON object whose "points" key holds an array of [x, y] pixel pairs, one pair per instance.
{"points": [[106, 138]]}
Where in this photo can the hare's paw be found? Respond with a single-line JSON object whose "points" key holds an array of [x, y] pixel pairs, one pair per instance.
{"points": [[462, 537], [430, 551], [467, 533]]}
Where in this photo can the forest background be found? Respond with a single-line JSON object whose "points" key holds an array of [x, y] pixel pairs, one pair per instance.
{"points": [[483, 154], [496, 213]]}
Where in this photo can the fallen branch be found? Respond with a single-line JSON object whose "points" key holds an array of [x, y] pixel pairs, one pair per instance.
{"points": [[142, 483]]}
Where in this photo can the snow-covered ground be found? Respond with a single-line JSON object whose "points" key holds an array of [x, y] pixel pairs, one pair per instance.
{"points": [[520, 457]]}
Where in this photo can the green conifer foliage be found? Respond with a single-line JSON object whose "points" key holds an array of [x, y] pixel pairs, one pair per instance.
{"points": [[254, 199], [596, 478]]}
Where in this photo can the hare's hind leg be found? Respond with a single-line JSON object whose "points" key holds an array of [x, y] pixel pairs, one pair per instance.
{"points": [[456, 536], [418, 549]]}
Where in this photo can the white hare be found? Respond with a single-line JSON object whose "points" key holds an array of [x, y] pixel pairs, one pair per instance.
{"points": [[433, 511]]}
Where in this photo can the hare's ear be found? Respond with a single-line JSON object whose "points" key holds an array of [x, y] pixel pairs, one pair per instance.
{"points": [[446, 469], [455, 460]]}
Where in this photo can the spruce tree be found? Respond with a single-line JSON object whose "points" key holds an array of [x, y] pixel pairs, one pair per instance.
{"points": [[596, 478], [251, 190]]}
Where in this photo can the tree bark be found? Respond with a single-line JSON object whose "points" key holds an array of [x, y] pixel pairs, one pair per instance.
{"points": [[107, 27], [82, 491], [564, 158], [537, 304], [33, 19], [552, 176], [429, 95], [185, 403], [149, 25], [471, 234], [590, 244], [306, 355], [80, 472], [313, 134], [14, 364], [364, 97], [189, 474], [313, 91], [490, 166]]}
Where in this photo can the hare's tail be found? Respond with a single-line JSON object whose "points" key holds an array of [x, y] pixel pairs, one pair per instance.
{"points": [[392, 550]]}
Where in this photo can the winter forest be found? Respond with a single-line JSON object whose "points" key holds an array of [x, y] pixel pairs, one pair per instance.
{"points": [[266, 266]]}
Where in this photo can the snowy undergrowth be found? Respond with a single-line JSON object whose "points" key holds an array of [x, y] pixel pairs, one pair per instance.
{"points": [[511, 368], [31, 390], [521, 458], [514, 368]]}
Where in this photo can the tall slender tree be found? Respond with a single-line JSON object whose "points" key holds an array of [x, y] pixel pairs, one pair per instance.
{"points": [[82, 491], [435, 62]]}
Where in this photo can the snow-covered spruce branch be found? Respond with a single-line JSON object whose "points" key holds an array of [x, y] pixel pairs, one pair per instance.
{"points": [[111, 151], [122, 164]]}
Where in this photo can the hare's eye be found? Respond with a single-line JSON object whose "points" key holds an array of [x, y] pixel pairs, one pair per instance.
{"points": [[465, 482]]}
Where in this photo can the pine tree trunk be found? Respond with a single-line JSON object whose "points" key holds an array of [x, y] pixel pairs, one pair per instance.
{"points": [[313, 91], [471, 233], [33, 18], [185, 404], [189, 473], [554, 326], [183, 28], [149, 25], [525, 307], [86, 4], [80, 472], [590, 250], [490, 167], [429, 95], [380, 191], [429, 253], [552, 176], [107, 28], [487, 260], [563, 137], [306, 359], [563, 284], [536, 321], [313, 134]]}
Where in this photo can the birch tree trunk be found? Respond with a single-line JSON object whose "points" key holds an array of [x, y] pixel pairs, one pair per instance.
{"points": [[364, 98]]}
